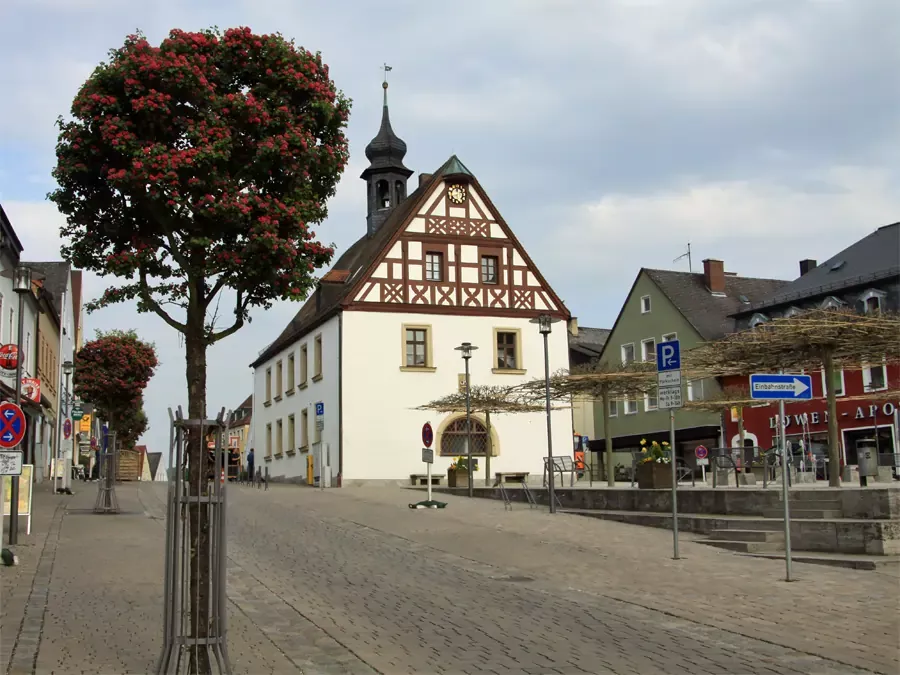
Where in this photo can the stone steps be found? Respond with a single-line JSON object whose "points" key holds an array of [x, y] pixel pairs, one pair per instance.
{"points": [[806, 514], [816, 504], [747, 535], [745, 546]]}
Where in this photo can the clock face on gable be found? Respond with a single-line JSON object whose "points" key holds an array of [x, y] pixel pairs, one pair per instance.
{"points": [[456, 194]]}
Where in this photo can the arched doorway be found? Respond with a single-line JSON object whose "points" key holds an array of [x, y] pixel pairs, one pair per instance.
{"points": [[453, 438]]}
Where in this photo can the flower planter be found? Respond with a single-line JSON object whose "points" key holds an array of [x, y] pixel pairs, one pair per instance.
{"points": [[654, 476], [457, 478]]}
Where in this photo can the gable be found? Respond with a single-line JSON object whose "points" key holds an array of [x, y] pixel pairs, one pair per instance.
{"points": [[441, 258]]}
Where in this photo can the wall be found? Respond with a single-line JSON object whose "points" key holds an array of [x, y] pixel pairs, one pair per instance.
{"points": [[632, 327], [292, 465], [382, 429]]}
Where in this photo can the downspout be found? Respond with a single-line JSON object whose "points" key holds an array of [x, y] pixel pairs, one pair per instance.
{"points": [[340, 476], [57, 451]]}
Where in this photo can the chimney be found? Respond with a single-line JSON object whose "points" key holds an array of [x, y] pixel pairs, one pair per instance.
{"points": [[807, 266], [573, 326], [424, 178], [714, 275]]}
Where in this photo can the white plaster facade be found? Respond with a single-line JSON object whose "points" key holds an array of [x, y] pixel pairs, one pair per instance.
{"points": [[269, 408], [382, 429]]}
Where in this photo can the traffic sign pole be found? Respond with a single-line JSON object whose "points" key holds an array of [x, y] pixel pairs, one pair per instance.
{"points": [[668, 367], [785, 493]]}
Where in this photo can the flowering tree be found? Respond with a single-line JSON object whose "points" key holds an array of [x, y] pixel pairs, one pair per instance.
{"points": [[195, 170], [132, 425], [112, 371]]}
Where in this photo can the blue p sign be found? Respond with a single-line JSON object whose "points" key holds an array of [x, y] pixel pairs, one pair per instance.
{"points": [[668, 356]]}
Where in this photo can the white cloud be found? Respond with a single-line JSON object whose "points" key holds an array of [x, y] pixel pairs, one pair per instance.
{"points": [[758, 227]]}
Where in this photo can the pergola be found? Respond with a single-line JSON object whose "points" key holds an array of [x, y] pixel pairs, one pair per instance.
{"points": [[485, 399]]}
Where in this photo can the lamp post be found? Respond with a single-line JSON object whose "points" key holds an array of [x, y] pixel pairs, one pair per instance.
{"points": [[21, 285], [68, 368], [467, 348], [544, 322]]}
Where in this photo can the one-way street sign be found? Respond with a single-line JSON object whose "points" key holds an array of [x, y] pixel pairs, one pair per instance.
{"points": [[775, 387]]}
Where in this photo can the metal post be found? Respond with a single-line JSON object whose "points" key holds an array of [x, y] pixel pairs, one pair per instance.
{"points": [[14, 480], [674, 485], [428, 474], [551, 486], [784, 492], [469, 435], [321, 464], [67, 467]]}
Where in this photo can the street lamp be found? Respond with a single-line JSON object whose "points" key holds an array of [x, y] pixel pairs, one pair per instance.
{"points": [[467, 348], [544, 322], [22, 279]]}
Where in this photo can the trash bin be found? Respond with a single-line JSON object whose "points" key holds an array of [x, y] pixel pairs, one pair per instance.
{"points": [[867, 458]]}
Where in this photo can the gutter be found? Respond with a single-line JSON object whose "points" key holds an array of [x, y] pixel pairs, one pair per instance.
{"points": [[340, 398]]}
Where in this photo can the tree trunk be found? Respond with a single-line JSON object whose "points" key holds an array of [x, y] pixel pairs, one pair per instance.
{"points": [[607, 433], [834, 451], [741, 437], [200, 560], [489, 450]]}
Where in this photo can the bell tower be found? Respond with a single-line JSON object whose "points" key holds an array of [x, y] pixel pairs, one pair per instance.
{"points": [[386, 175]]}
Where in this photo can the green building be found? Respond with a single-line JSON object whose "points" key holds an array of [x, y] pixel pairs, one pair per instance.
{"points": [[665, 305]]}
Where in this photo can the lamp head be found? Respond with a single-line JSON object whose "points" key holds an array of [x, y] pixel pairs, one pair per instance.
{"points": [[466, 348], [544, 322], [68, 367], [22, 279]]}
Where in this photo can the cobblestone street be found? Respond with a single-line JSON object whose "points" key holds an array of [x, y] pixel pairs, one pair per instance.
{"points": [[353, 581]]}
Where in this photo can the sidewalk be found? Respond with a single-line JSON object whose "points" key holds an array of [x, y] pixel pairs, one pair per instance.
{"points": [[87, 594]]}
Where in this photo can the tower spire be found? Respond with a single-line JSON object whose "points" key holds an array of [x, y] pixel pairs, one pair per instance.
{"points": [[386, 175]]}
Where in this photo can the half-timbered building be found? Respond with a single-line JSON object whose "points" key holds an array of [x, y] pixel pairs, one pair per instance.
{"points": [[434, 269]]}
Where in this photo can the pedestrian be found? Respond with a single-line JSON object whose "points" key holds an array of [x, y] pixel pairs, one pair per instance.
{"points": [[250, 465]]}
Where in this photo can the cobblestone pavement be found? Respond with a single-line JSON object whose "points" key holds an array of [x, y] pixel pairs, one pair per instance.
{"points": [[355, 581]]}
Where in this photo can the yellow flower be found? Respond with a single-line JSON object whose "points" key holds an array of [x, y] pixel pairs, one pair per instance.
{"points": [[665, 442], [643, 449], [643, 441]]}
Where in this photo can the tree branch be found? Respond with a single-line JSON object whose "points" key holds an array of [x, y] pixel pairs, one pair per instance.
{"points": [[155, 306], [239, 309]]}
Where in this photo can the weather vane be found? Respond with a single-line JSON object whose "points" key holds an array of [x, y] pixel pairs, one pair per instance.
{"points": [[384, 85]]}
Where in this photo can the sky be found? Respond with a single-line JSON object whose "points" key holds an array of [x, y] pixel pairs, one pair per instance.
{"points": [[609, 133]]}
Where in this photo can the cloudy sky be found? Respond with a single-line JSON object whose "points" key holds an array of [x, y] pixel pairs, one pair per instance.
{"points": [[609, 133]]}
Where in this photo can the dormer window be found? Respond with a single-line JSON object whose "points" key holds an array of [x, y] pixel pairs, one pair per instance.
{"points": [[757, 319], [832, 302], [791, 311], [872, 301]]}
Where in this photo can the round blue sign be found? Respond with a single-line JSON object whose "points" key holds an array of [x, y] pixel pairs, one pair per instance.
{"points": [[427, 434]]}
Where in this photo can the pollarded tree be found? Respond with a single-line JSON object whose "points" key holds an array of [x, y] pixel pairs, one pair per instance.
{"points": [[112, 371], [195, 169], [132, 424]]}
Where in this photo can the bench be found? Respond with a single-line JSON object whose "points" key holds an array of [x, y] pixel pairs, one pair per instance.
{"points": [[422, 478], [561, 465], [510, 477]]}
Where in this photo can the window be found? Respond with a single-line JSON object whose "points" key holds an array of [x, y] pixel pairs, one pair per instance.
{"points": [[454, 437], [279, 438], [304, 352], [279, 381], [317, 358], [668, 337], [268, 400], [648, 350], [757, 319], [651, 400], [304, 428], [630, 406], [837, 381], [831, 302], [874, 378], [434, 266], [613, 407], [695, 390], [627, 353], [417, 347], [292, 435], [645, 304], [489, 269], [290, 374], [269, 439], [873, 304], [507, 350]]}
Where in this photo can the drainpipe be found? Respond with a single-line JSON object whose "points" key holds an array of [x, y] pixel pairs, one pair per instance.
{"points": [[57, 450]]}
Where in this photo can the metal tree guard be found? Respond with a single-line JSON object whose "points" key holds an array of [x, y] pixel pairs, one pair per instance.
{"points": [[109, 461], [186, 648]]}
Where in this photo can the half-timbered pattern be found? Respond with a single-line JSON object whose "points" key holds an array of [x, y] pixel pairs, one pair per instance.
{"points": [[435, 268]]}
